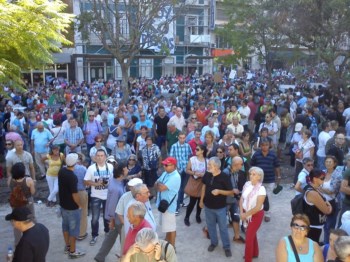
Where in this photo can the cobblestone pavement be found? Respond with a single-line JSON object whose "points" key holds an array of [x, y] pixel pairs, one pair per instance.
{"points": [[190, 243]]}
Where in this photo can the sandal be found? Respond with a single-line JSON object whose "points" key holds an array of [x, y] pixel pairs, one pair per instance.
{"points": [[240, 240]]}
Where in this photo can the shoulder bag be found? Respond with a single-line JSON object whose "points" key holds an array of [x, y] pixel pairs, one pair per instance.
{"points": [[193, 187], [294, 248]]}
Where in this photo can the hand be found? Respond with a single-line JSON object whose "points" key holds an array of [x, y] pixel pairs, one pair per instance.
{"points": [[134, 249], [215, 192], [158, 251], [236, 191], [111, 224], [243, 216], [201, 204]]}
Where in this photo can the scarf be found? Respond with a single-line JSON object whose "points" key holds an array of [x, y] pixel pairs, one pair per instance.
{"points": [[250, 196]]}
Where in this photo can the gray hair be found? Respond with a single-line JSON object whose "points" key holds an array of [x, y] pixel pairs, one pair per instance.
{"points": [[258, 171], [171, 123], [137, 189], [216, 161], [307, 160], [138, 209], [342, 247], [145, 237]]}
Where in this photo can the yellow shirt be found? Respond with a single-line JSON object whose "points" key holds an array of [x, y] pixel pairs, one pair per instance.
{"points": [[54, 166]]}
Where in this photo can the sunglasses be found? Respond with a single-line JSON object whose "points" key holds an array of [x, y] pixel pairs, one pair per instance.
{"points": [[220, 152], [168, 165], [194, 117], [99, 141], [142, 115], [91, 115], [8, 144], [131, 159], [299, 227]]}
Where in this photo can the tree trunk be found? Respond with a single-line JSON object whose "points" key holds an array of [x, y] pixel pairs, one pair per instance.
{"points": [[125, 80]]}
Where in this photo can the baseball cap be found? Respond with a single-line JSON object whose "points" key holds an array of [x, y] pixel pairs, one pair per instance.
{"points": [[72, 159], [169, 160], [111, 159], [298, 127], [19, 214], [135, 181]]}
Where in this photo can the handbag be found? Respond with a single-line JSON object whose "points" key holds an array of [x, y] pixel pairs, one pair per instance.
{"points": [[266, 204], [299, 154], [152, 164], [164, 204], [193, 187], [294, 248]]}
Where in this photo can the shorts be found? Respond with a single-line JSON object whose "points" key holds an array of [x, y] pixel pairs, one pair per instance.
{"points": [[168, 222], [71, 221], [233, 208]]}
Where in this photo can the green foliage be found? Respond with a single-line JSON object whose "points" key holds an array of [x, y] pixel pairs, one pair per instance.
{"points": [[30, 31]]}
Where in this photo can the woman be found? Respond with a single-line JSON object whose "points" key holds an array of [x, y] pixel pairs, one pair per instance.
{"points": [[150, 114], [252, 210], [315, 205], [245, 149], [306, 148], [27, 185], [220, 153], [192, 124], [112, 133], [133, 167], [224, 123], [302, 183], [122, 150], [234, 112], [328, 249], [55, 161], [210, 144], [307, 249], [196, 168], [58, 135], [130, 132], [330, 190], [98, 145], [228, 139], [116, 189], [141, 139], [32, 122]]}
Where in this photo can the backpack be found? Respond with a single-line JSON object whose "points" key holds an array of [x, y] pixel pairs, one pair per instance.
{"points": [[313, 127], [297, 204], [17, 197]]}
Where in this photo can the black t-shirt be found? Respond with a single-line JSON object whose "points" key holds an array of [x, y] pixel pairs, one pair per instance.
{"points": [[161, 124], [211, 182], [68, 184], [33, 245]]}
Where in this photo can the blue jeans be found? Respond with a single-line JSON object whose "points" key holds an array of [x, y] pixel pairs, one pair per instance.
{"points": [[160, 141], [180, 198], [212, 217], [330, 223], [95, 213], [71, 221]]}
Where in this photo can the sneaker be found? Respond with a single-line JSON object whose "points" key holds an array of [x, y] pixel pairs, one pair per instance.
{"points": [[228, 253], [211, 248], [76, 254], [187, 221], [66, 249], [184, 205], [267, 219], [177, 213], [93, 241], [82, 237], [198, 219]]}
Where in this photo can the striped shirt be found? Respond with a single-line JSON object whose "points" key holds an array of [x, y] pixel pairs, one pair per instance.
{"points": [[267, 163], [182, 153], [73, 135]]}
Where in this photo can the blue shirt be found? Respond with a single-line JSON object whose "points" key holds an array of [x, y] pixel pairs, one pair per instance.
{"points": [[182, 153], [79, 171], [172, 181], [147, 123], [40, 140]]}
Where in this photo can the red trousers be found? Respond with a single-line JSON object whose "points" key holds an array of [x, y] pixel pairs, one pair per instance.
{"points": [[251, 240]]}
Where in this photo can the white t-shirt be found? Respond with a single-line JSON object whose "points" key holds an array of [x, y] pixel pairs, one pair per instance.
{"points": [[141, 141], [302, 179], [58, 134], [323, 137], [92, 174], [248, 187], [246, 112]]}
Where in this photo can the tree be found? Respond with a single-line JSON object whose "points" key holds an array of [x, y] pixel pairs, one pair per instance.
{"points": [[128, 26], [253, 28], [323, 27], [30, 31]]}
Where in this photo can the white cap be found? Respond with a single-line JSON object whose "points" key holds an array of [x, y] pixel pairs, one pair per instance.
{"points": [[135, 181], [298, 127], [72, 159]]}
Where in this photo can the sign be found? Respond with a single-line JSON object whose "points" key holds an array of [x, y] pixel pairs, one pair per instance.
{"points": [[218, 78], [232, 74], [212, 15]]}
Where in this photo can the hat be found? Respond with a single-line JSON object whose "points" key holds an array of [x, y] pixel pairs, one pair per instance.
{"points": [[72, 159], [111, 159], [277, 189], [215, 112], [169, 160], [135, 181], [19, 214], [298, 127], [120, 139]]}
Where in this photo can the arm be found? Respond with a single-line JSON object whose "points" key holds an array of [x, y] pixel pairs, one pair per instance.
{"points": [[281, 251], [315, 198], [259, 203], [344, 187], [32, 171], [201, 202], [216, 192], [278, 174], [312, 152], [31, 185], [9, 176], [76, 199], [318, 256], [298, 188]]}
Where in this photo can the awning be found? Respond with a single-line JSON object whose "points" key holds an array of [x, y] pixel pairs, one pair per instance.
{"points": [[199, 57], [218, 52]]}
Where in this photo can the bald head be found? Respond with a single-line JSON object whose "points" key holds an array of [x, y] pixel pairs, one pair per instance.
{"points": [[237, 163]]}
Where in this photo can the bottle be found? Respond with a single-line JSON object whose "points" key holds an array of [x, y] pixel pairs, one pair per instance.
{"points": [[9, 254]]}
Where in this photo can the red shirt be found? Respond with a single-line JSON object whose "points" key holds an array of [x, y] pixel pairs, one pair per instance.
{"points": [[193, 144], [131, 235], [201, 116]]}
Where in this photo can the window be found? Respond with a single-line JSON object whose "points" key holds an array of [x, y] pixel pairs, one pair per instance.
{"points": [[146, 68]]}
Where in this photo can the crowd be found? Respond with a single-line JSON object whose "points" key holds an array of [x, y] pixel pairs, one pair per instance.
{"points": [[220, 143]]}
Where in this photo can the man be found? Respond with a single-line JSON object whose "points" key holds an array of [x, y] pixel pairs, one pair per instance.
{"points": [[168, 185], [171, 136], [48, 122], [178, 119], [236, 128], [277, 122], [40, 142], [73, 137], [238, 179], [195, 141], [267, 160], [323, 137], [244, 111], [70, 205], [160, 127], [136, 216], [143, 122], [91, 129], [272, 129], [212, 128], [35, 241], [338, 149], [97, 176], [202, 113], [19, 155], [182, 152], [216, 187]]}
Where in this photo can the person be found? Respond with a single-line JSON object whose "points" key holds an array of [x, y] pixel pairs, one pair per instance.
{"points": [[160, 127], [238, 179], [216, 186], [115, 191], [27, 185], [114, 131], [98, 145], [338, 149], [122, 150], [181, 151], [315, 205], [91, 129], [40, 141], [196, 168], [56, 161], [148, 247], [73, 137], [134, 168], [244, 112], [210, 128], [195, 141], [267, 160], [70, 206], [272, 129], [178, 119], [236, 127], [307, 249], [168, 185], [251, 206], [345, 188], [58, 134], [35, 241], [136, 216], [342, 249], [171, 136], [330, 190], [323, 137], [328, 250], [97, 176], [245, 148], [302, 183], [141, 140], [210, 144]]}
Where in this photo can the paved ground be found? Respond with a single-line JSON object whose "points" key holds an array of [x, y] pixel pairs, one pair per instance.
{"points": [[190, 243]]}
